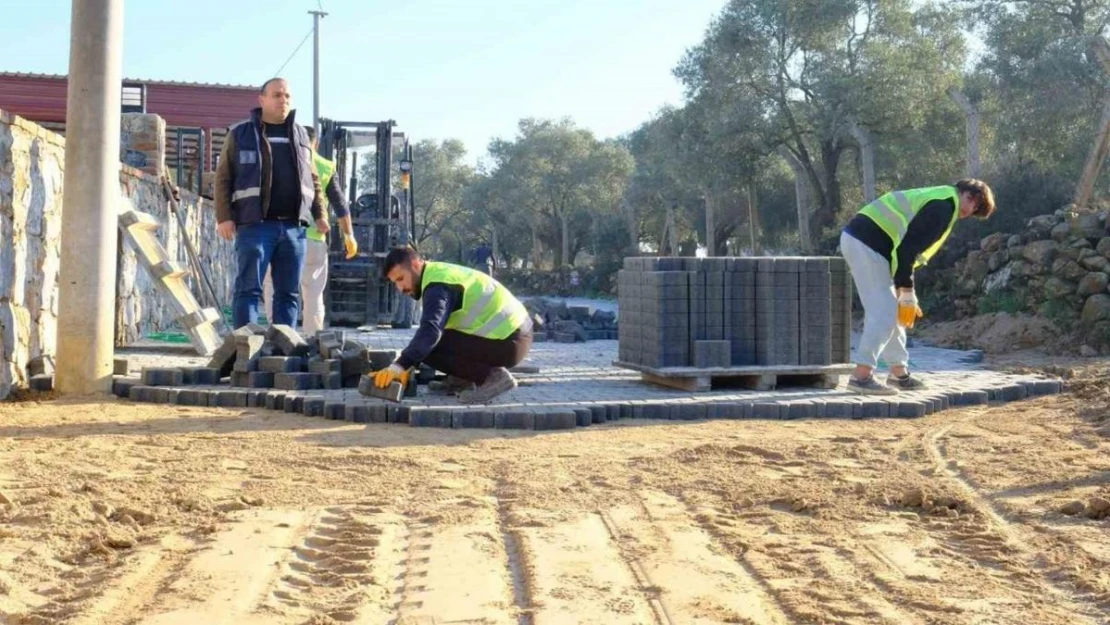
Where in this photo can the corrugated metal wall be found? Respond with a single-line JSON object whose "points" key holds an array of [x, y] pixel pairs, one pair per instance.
{"points": [[42, 98]]}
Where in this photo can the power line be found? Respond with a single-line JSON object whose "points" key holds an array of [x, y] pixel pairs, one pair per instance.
{"points": [[320, 3], [295, 51]]}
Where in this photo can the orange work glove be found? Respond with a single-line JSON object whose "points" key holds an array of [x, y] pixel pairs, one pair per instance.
{"points": [[350, 244], [908, 309], [386, 376]]}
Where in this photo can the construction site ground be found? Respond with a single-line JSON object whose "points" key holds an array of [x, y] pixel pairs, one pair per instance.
{"points": [[120, 513]]}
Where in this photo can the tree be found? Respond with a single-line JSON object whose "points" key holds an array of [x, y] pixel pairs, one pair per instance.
{"points": [[807, 68], [440, 178], [560, 177]]}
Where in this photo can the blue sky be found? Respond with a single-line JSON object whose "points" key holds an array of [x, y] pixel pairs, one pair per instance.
{"points": [[465, 68]]}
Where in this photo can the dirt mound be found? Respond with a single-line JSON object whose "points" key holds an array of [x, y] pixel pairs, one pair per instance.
{"points": [[993, 333]]}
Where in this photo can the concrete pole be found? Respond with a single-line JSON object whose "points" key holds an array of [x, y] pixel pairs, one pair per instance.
{"points": [[316, 15], [87, 280]]}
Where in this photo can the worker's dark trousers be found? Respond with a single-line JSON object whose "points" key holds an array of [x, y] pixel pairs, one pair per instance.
{"points": [[473, 357]]}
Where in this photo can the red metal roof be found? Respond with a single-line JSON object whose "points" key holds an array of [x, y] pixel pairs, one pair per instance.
{"points": [[42, 98]]}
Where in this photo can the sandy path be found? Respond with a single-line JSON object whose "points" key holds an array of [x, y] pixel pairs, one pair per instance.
{"points": [[123, 514]]}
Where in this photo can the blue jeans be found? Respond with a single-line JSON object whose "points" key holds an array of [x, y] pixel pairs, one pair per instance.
{"points": [[258, 245]]}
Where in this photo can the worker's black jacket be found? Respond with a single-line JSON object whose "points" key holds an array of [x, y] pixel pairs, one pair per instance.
{"points": [[244, 173]]}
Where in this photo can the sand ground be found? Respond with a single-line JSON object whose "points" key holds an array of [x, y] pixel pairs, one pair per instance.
{"points": [[122, 514]]}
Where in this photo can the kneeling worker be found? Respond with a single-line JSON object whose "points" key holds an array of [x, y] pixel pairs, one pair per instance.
{"points": [[882, 245], [472, 328]]}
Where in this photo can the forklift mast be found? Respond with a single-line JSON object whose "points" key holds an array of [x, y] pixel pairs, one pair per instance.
{"points": [[382, 218]]}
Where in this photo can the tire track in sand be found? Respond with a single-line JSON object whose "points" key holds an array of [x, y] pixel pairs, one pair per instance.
{"points": [[1016, 538], [684, 568]]}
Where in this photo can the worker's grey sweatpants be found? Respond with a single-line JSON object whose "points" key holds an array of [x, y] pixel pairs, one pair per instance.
{"points": [[881, 333]]}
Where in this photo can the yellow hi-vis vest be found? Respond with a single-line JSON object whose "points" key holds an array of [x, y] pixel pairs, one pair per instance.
{"points": [[325, 169], [488, 309], [894, 211]]}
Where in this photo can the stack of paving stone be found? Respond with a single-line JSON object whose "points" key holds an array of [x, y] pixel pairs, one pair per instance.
{"points": [[253, 357], [734, 312], [555, 321]]}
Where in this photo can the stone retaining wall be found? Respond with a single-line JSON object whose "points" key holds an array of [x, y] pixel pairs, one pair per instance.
{"points": [[32, 162]]}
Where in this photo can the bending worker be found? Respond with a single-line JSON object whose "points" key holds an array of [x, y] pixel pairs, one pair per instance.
{"points": [[472, 327], [314, 276], [883, 244]]}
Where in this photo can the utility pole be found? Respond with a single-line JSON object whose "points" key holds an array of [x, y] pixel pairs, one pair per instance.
{"points": [[87, 279], [316, 15]]}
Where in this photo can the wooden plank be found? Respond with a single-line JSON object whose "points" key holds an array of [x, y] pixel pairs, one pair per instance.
{"points": [[689, 384], [686, 372]]}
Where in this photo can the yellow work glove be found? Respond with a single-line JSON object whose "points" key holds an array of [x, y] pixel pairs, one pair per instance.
{"points": [[908, 309], [386, 376], [350, 244]]}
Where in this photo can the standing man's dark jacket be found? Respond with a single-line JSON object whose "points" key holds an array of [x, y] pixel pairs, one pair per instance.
{"points": [[244, 186]]}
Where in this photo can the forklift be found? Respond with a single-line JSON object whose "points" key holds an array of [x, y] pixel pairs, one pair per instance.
{"points": [[356, 294]]}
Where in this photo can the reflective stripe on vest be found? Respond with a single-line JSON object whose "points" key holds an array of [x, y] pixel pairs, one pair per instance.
{"points": [[488, 309], [894, 211], [325, 169]]}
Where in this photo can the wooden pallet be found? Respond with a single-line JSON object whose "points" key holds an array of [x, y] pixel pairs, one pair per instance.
{"points": [[695, 379]]}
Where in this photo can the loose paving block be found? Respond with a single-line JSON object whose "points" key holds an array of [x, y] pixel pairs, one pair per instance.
{"points": [[231, 399], [430, 418], [162, 376], [392, 392], [599, 414], [139, 392], [121, 387], [799, 410], [275, 400], [224, 356], [583, 417], [313, 407], [555, 420], [256, 399], [397, 413], [286, 340], [334, 410], [42, 382], [281, 364], [247, 352], [472, 419], [254, 379], [321, 366], [909, 410], [874, 409], [332, 381], [297, 381], [514, 420], [121, 366], [766, 410], [1013, 392], [381, 358], [192, 397], [970, 398], [200, 375], [1046, 387], [357, 413]]}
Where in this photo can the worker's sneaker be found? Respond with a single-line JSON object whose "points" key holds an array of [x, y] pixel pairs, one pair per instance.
{"points": [[451, 386], [908, 383], [869, 386], [499, 381]]}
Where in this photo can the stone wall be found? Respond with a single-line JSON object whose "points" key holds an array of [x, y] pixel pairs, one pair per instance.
{"points": [[32, 161], [1057, 267]]}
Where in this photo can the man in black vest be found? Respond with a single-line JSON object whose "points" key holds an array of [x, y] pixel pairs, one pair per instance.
{"points": [[267, 193]]}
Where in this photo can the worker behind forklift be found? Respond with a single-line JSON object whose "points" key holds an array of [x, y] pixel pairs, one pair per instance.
{"points": [[472, 328], [314, 276]]}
